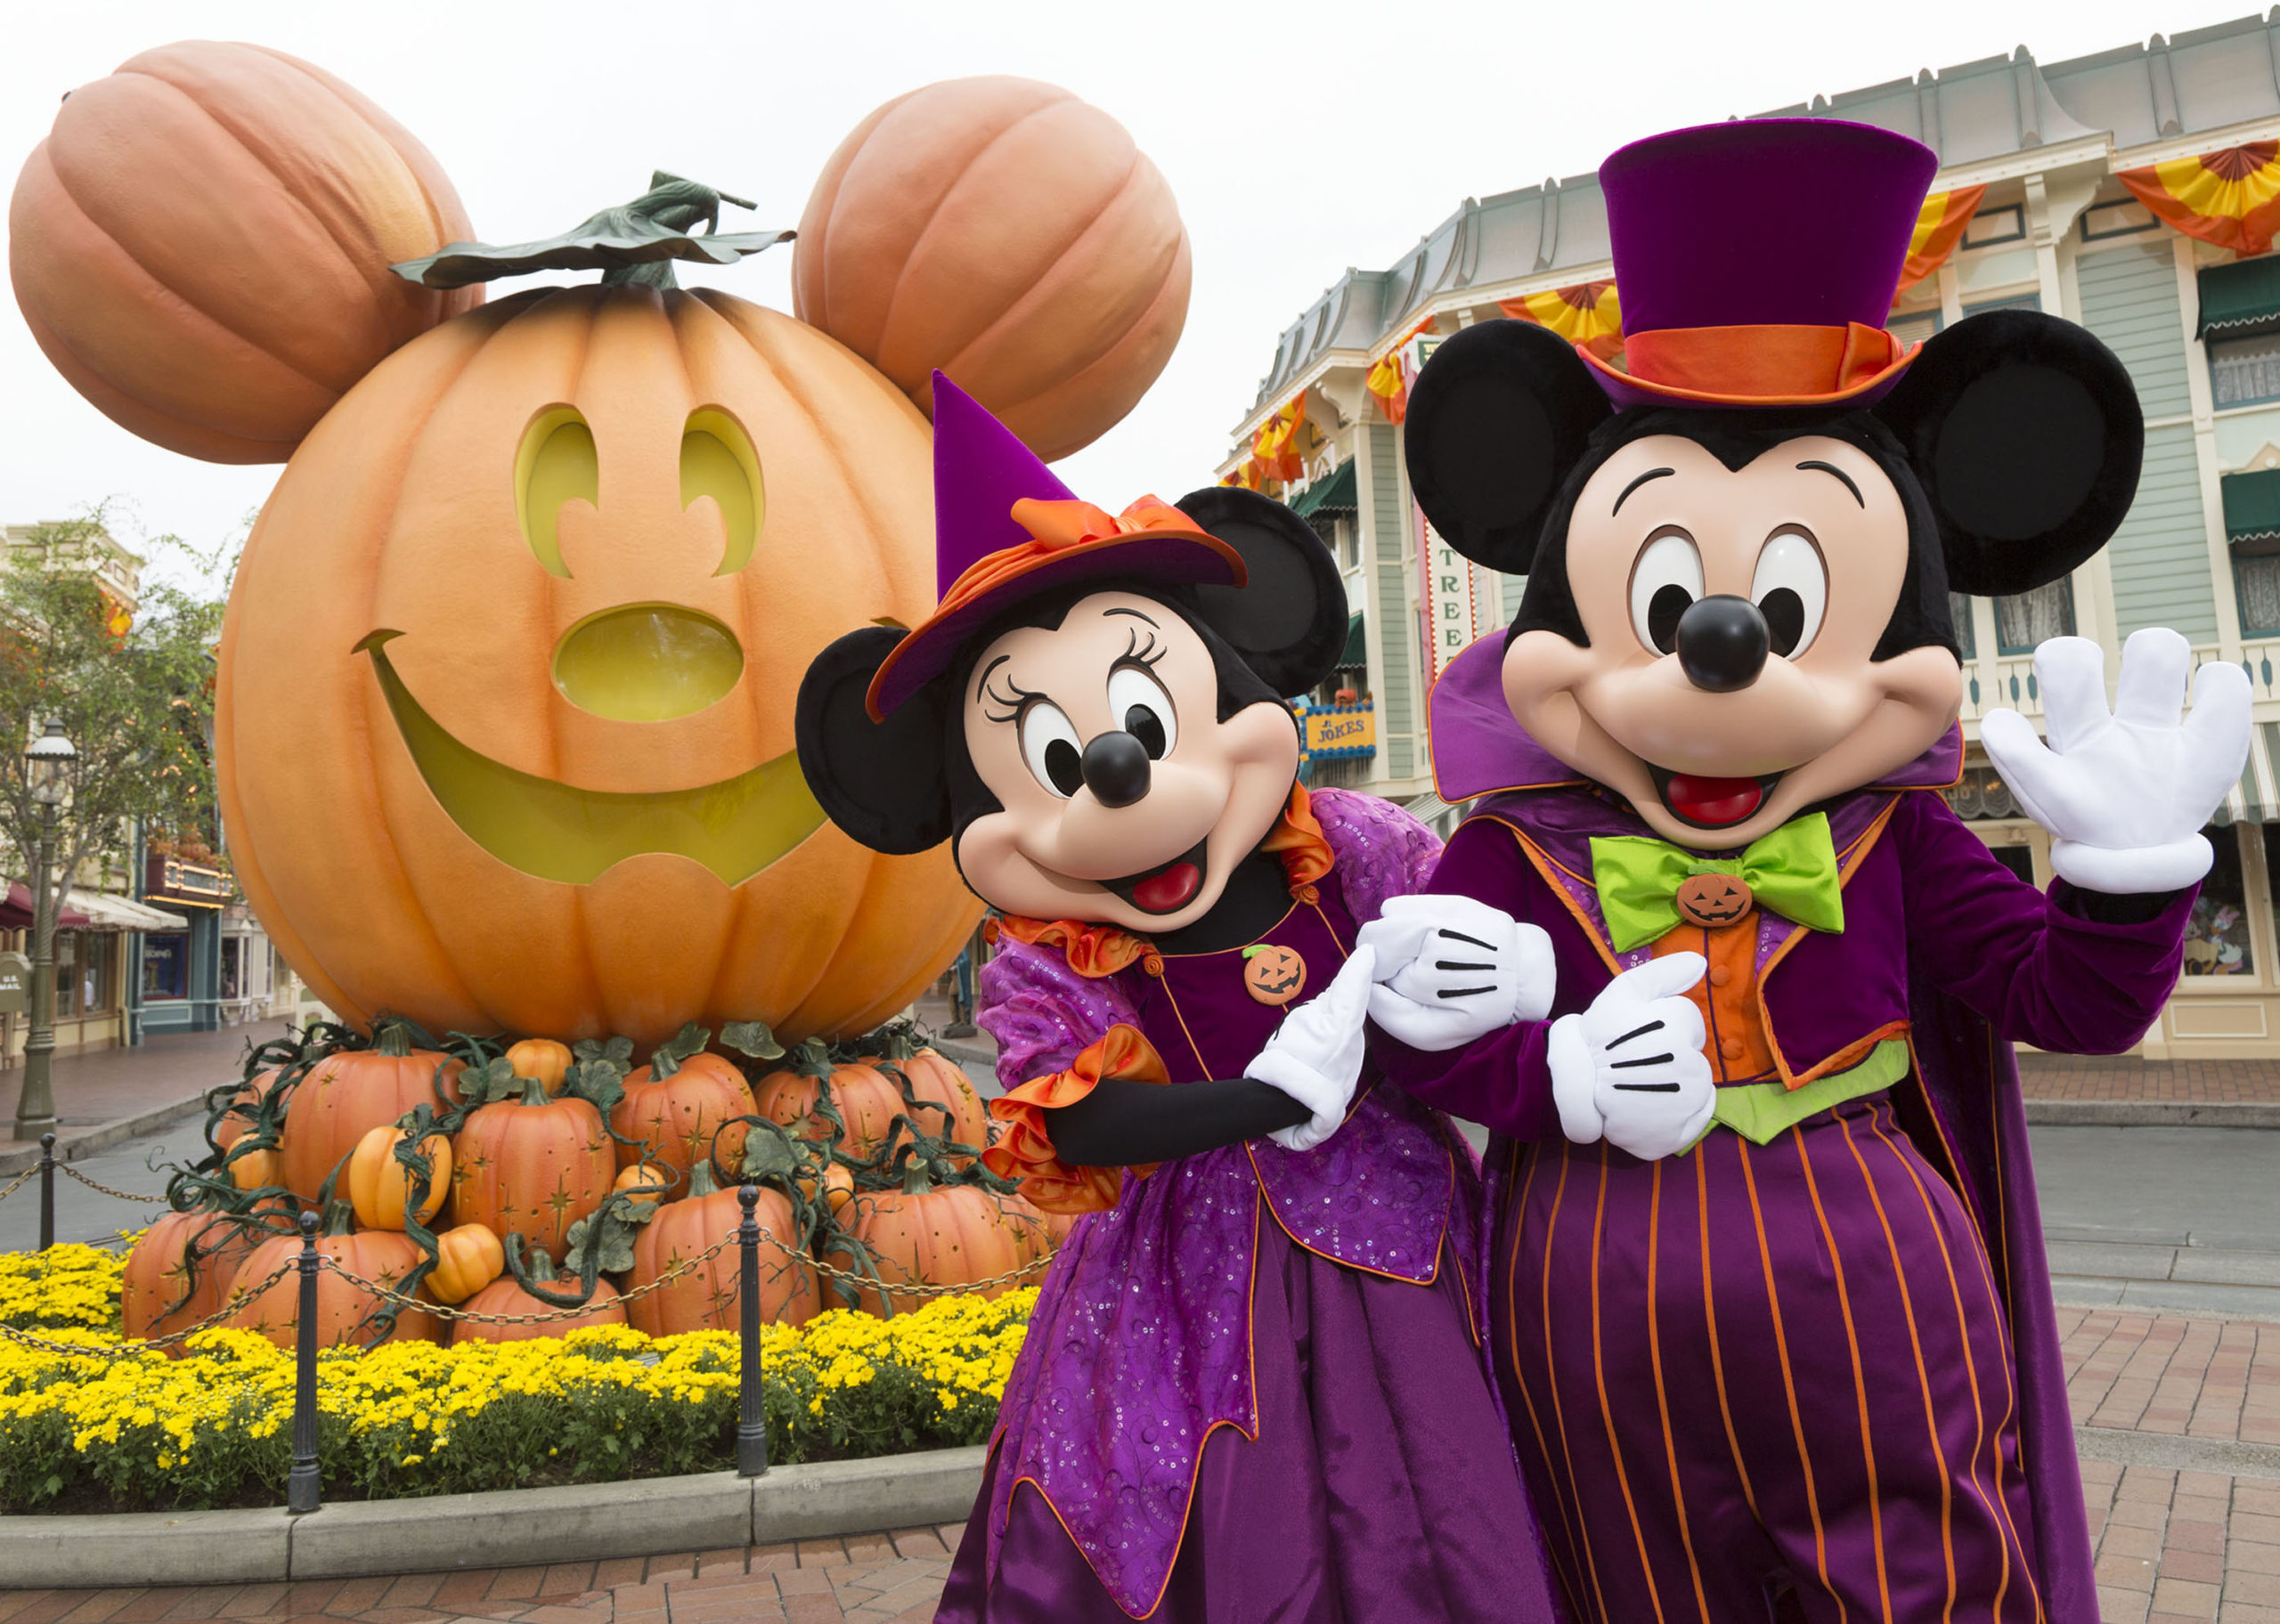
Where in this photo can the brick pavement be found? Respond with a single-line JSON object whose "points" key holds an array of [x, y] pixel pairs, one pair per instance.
{"points": [[2074, 1077]]}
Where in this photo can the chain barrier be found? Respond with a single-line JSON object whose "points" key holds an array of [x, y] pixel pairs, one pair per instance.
{"points": [[19, 1181], [451, 1313], [69, 1171], [916, 1288]]}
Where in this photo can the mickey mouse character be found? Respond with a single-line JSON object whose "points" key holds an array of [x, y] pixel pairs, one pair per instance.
{"points": [[1771, 1312], [1252, 1387]]}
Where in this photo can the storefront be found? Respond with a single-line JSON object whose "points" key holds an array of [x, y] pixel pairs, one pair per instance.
{"points": [[181, 969]]}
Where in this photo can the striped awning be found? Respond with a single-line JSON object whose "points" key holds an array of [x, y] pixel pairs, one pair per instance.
{"points": [[2256, 798]]}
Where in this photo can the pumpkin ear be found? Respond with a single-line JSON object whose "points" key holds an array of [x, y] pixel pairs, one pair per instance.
{"points": [[882, 783], [1288, 622], [1500, 415], [2026, 435]]}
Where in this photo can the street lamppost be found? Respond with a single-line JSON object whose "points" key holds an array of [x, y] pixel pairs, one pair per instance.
{"points": [[47, 768]]}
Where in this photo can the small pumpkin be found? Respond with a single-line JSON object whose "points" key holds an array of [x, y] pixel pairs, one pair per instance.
{"points": [[532, 1166], [237, 1118], [541, 1058], [378, 1187], [347, 1095], [255, 1169], [201, 245], [179, 1272], [646, 1182], [468, 1258], [508, 1295], [1057, 326], [344, 1308], [837, 1183], [674, 1105], [706, 1296]]}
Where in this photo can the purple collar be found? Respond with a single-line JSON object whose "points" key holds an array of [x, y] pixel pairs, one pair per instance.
{"points": [[1480, 750]]}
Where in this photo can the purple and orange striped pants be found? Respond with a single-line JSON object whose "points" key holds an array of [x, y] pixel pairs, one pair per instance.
{"points": [[1757, 1371]]}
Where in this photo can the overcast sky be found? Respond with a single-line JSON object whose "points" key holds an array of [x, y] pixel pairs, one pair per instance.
{"points": [[1299, 139]]}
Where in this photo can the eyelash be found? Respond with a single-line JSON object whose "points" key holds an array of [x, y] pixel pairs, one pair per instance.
{"points": [[1132, 655]]}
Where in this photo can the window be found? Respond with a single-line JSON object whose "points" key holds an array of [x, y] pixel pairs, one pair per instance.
{"points": [[233, 948], [2124, 218], [2257, 580], [1914, 328], [2025, 622], [2018, 859], [1967, 630], [2217, 937], [67, 973], [2242, 371], [1989, 226], [166, 966], [2021, 301], [98, 972]]}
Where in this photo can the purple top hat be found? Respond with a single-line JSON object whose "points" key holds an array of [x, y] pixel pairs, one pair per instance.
{"points": [[1757, 259], [1006, 529]]}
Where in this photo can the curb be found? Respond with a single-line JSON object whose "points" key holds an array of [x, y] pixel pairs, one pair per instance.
{"points": [[2152, 1114], [508, 1528], [78, 1147]]}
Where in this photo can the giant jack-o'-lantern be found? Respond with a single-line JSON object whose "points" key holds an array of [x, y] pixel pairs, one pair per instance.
{"points": [[504, 714]]}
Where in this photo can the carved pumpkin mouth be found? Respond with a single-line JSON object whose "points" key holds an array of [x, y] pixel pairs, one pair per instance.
{"points": [[555, 831]]}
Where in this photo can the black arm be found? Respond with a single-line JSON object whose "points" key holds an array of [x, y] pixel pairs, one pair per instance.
{"points": [[2102, 909], [1122, 1122]]}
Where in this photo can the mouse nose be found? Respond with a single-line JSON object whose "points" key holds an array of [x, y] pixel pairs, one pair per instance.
{"points": [[1115, 768], [1722, 643]]}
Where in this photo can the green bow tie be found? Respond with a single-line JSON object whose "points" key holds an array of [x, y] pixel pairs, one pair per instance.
{"points": [[1793, 871]]}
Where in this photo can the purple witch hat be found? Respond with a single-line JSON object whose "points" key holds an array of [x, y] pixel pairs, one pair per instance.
{"points": [[1757, 259], [1006, 529]]}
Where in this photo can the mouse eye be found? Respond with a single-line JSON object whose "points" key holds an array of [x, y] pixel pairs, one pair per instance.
{"points": [[1050, 746], [1791, 590], [1664, 585], [1143, 708]]}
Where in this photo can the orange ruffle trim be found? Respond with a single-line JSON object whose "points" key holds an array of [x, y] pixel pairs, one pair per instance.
{"points": [[1097, 950], [1024, 1151]]}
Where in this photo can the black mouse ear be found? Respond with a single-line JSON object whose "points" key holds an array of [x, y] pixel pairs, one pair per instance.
{"points": [[2026, 435], [882, 783], [1289, 621], [1500, 414]]}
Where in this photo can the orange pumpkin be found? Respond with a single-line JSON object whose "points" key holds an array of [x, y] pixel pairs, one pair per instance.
{"points": [[201, 245], [535, 1165], [346, 1096], [506, 1295], [1012, 236], [179, 1272], [468, 1258], [237, 1122], [543, 1059], [381, 1256], [543, 587], [674, 1116], [645, 1183], [837, 1183], [951, 1235], [255, 1169], [705, 1298], [934, 1077], [377, 1187], [868, 1102]]}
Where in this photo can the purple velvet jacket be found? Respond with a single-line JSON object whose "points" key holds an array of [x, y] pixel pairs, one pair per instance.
{"points": [[1938, 935]]}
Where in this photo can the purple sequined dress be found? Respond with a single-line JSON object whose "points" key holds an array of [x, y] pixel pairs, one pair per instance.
{"points": [[1253, 1390]]}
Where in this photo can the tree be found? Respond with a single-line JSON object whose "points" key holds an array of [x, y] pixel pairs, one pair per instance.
{"points": [[134, 694]]}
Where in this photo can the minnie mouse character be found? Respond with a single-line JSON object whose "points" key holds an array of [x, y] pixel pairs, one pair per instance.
{"points": [[1770, 1310], [1252, 1387]]}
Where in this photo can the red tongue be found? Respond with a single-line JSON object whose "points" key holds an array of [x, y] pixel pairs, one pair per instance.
{"points": [[1712, 800], [1161, 893]]}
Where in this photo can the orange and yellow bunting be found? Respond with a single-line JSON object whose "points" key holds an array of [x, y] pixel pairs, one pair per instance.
{"points": [[1587, 314], [1278, 451], [1389, 377], [2230, 197], [1939, 226]]}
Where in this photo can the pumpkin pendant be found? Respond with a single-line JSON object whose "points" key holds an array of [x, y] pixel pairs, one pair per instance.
{"points": [[1711, 900], [1273, 975]]}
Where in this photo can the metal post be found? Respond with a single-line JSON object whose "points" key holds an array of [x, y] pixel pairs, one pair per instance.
{"points": [[303, 1492], [46, 1191], [35, 1105], [751, 1416]]}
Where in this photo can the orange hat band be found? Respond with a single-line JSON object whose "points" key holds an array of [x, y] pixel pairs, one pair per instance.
{"points": [[1760, 365]]}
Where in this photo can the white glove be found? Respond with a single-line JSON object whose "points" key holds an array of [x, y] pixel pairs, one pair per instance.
{"points": [[1631, 1068], [1451, 970], [2125, 794], [1315, 1054]]}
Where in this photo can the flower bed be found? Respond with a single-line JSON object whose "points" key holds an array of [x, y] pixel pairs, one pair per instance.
{"points": [[125, 1429]]}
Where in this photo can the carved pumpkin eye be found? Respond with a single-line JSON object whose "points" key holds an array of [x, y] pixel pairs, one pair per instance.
{"points": [[556, 464], [717, 460]]}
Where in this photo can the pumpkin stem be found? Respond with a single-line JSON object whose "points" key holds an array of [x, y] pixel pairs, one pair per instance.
{"points": [[533, 1090], [700, 1181], [339, 1219], [633, 245], [392, 1038]]}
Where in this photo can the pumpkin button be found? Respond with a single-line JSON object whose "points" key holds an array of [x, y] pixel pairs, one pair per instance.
{"points": [[1711, 900], [1273, 975]]}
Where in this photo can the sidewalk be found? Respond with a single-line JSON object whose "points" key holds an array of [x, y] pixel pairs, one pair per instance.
{"points": [[129, 1091], [2074, 1077]]}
